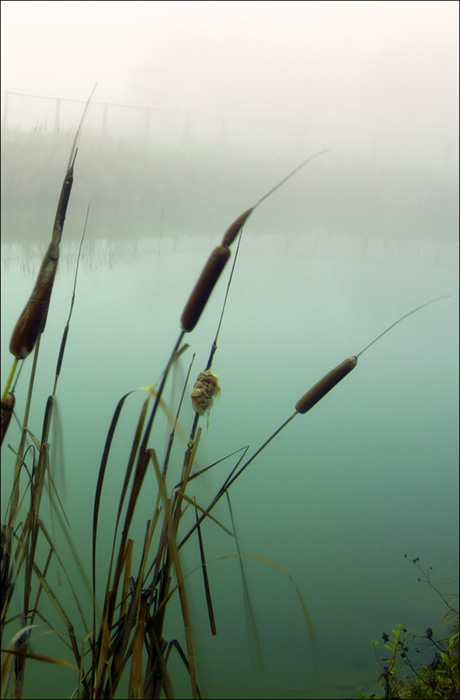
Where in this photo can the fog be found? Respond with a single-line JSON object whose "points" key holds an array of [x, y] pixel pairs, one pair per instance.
{"points": [[374, 65], [200, 109], [230, 96]]}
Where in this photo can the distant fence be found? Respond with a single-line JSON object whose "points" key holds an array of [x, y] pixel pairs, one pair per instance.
{"points": [[169, 127], [22, 112]]}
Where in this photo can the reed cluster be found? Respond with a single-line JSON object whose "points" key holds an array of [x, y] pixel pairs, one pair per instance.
{"points": [[125, 639]]}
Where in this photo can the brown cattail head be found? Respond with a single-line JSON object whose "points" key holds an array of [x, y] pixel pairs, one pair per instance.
{"points": [[204, 287], [233, 230], [7, 412], [325, 384], [32, 320]]}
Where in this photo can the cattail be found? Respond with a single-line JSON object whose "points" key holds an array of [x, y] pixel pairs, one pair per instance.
{"points": [[63, 201], [233, 230], [204, 287], [32, 320], [325, 384], [333, 377], [7, 412]]}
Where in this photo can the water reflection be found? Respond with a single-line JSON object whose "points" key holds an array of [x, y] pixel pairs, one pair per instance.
{"points": [[331, 500]]}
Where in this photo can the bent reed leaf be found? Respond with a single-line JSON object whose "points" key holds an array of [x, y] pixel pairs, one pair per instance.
{"points": [[207, 587], [234, 228], [173, 554], [41, 657]]}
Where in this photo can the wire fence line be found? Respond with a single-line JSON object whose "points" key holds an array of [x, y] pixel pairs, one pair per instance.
{"points": [[174, 128]]}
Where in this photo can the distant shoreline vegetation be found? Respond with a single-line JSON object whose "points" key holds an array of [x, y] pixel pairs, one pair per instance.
{"points": [[141, 189]]}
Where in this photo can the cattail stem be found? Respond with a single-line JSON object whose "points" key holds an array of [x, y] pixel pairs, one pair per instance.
{"points": [[229, 481], [234, 229], [10, 379]]}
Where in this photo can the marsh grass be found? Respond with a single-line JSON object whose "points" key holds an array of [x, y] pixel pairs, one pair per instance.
{"points": [[122, 646]]}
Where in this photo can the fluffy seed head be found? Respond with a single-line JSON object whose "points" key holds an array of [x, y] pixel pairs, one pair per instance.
{"points": [[205, 389]]}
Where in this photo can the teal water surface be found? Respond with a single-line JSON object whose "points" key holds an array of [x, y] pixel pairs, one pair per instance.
{"points": [[336, 500]]}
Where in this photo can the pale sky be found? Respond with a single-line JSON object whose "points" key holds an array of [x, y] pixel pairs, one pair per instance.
{"points": [[378, 65]]}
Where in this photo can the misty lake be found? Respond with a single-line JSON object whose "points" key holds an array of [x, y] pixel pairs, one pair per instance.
{"points": [[338, 498]]}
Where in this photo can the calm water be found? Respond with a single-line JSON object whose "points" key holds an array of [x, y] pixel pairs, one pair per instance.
{"points": [[371, 473]]}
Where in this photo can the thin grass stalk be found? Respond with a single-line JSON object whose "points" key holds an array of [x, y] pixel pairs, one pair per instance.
{"points": [[36, 490], [126, 578], [97, 646], [23, 645], [229, 481], [207, 588], [173, 430], [138, 480], [173, 553], [121, 643], [197, 507], [157, 677], [101, 648], [68, 578], [118, 648], [100, 481], [10, 379], [125, 624], [163, 573], [13, 503], [198, 473], [35, 605], [257, 656], [31, 537], [174, 355], [159, 595], [142, 462], [129, 468], [136, 681]]}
